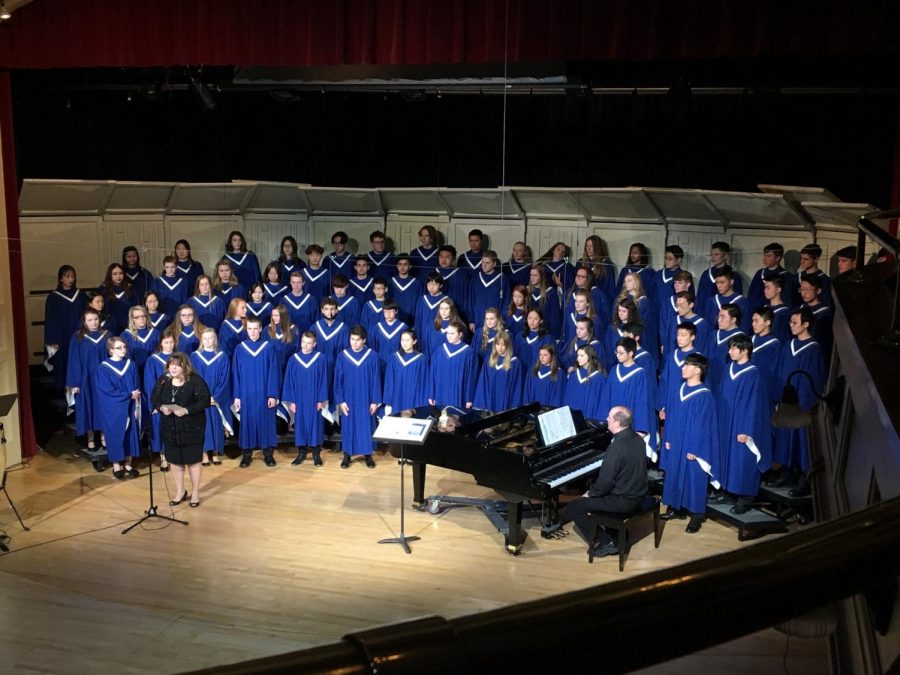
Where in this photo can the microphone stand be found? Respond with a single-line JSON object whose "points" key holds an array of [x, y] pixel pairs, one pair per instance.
{"points": [[402, 539]]}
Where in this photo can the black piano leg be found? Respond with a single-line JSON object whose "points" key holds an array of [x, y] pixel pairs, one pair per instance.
{"points": [[514, 534], [418, 476]]}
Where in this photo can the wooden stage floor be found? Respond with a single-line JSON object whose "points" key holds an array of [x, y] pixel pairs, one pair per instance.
{"points": [[275, 560]]}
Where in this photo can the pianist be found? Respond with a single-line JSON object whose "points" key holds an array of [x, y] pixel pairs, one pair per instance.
{"points": [[621, 483]]}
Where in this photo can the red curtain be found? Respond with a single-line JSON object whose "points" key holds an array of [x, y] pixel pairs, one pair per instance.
{"points": [[92, 33]]}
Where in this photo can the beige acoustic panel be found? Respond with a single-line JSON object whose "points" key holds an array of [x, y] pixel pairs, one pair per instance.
{"points": [[357, 229], [801, 192], [696, 241], [686, 207], [57, 197], [350, 202], [544, 233], [206, 235], [501, 234], [481, 204], [134, 197], [210, 198], [403, 230], [837, 217], [754, 210], [425, 202], [618, 206], [285, 198], [548, 204], [266, 230], [147, 233], [620, 236]]}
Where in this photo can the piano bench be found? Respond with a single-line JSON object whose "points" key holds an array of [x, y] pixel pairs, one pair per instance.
{"points": [[621, 522]]}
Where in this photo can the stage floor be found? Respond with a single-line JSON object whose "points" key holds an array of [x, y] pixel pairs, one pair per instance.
{"points": [[275, 560]]}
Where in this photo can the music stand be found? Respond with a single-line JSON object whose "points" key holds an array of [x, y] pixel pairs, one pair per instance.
{"points": [[7, 401], [401, 431], [152, 511]]}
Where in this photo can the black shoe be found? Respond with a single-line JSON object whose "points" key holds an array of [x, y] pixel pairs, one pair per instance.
{"points": [[370, 462], [176, 502], [245, 461], [603, 550], [783, 478], [672, 514], [694, 526], [802, 490], [164, 466], [131, 472], [740, 508], [301, 457], [345, 463], [269, 460], [317, 456], [119, 474]]}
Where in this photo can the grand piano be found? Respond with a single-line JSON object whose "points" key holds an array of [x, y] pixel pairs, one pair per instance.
{"points": [[507, 452]]}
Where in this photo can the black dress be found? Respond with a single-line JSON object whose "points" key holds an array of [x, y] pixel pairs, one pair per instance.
{"points": [[182, 436]]}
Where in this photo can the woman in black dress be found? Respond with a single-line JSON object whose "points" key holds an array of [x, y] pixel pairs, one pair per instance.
{"points": [[181, 396]]}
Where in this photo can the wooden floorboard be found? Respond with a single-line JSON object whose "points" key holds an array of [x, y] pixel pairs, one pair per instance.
{"points": [[274, 560]]}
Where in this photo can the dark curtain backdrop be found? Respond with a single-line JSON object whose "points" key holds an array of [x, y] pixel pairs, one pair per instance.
{"points": [[844, 143], [86, 33]]}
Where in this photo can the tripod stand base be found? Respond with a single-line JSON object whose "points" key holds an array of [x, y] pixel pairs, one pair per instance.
{"points": [[151, 513], [396, 540]]}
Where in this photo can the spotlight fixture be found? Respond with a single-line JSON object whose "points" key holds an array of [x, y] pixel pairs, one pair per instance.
{"points": [[5, 14]]}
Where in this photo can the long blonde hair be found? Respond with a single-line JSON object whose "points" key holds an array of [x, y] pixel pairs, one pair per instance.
{"points": [[501, 326], [502, 336]]}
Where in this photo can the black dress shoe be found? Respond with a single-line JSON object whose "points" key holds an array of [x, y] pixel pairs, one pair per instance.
{"points": [[694, 526], [245, 461], [176, 502], [803, 490], [672, 514], [132, 472], [345, 463], [317, 456], [269, 460], [119, 474], [370, 462], [740, 508], [603, 550], [301, 457]]}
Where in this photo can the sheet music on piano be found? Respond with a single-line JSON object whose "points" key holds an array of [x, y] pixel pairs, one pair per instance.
{"points": [[556, 425]]}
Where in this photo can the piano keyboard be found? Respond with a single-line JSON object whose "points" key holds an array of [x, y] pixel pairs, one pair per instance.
{"points": [[571, 471]]}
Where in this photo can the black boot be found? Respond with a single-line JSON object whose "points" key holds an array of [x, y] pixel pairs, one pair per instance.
{"points": [[301, 457], [317, 455]]}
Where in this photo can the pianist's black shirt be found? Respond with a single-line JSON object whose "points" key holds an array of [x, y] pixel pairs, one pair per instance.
{"points": [[624, 469]]}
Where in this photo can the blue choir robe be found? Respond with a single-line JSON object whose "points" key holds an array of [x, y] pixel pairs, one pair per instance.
{"points": [[755, 295], [348, 310], [215, 369], [340, 264], [483, 342], [153, 370], [519, 273], [663, 286], [528, 346], [706, 288], [141, 344], [172, 293], [715, 304], [562, 269], [635, 388], [118, 415], [431, 337], [406, 382], [499, 389], [405, 293], [585, 392], [792, 445], [361, 289], [109, 324], [285, 348], [781, 323], [189, 271], [140, 280], [515, 323], [666, 320], [118, 301], [548, 303], [717, 353], [317, 282], [743, 407], [382, 265], [470, 263], [645, 273], [85, 356], [209, 310], [605, 281], [331, 340], [669, 385], [357, 382], [647, 361], [385, 338], [159, 321], [260, 310], [767, 357], [454, 374], [256, 377], [543, 388], [245, 267], [703, 337], [303, 308], [274, 292], [569, 325], [649, 314], [614, 333], [485, 291], [456, 285], [601, 317], [231, 291], [188, 341], [63, 314], [568, 355], [823, 329], [306, 386], [286, 267], [371, 314], [424, 262], [691, 427], [231, 334], [426, 310], [824, 279]]}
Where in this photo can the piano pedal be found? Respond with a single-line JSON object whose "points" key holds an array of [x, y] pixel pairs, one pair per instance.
{"points": [[553, 531]]}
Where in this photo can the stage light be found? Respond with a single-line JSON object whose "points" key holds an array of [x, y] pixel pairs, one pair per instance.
{"points": [[4, 13]]}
